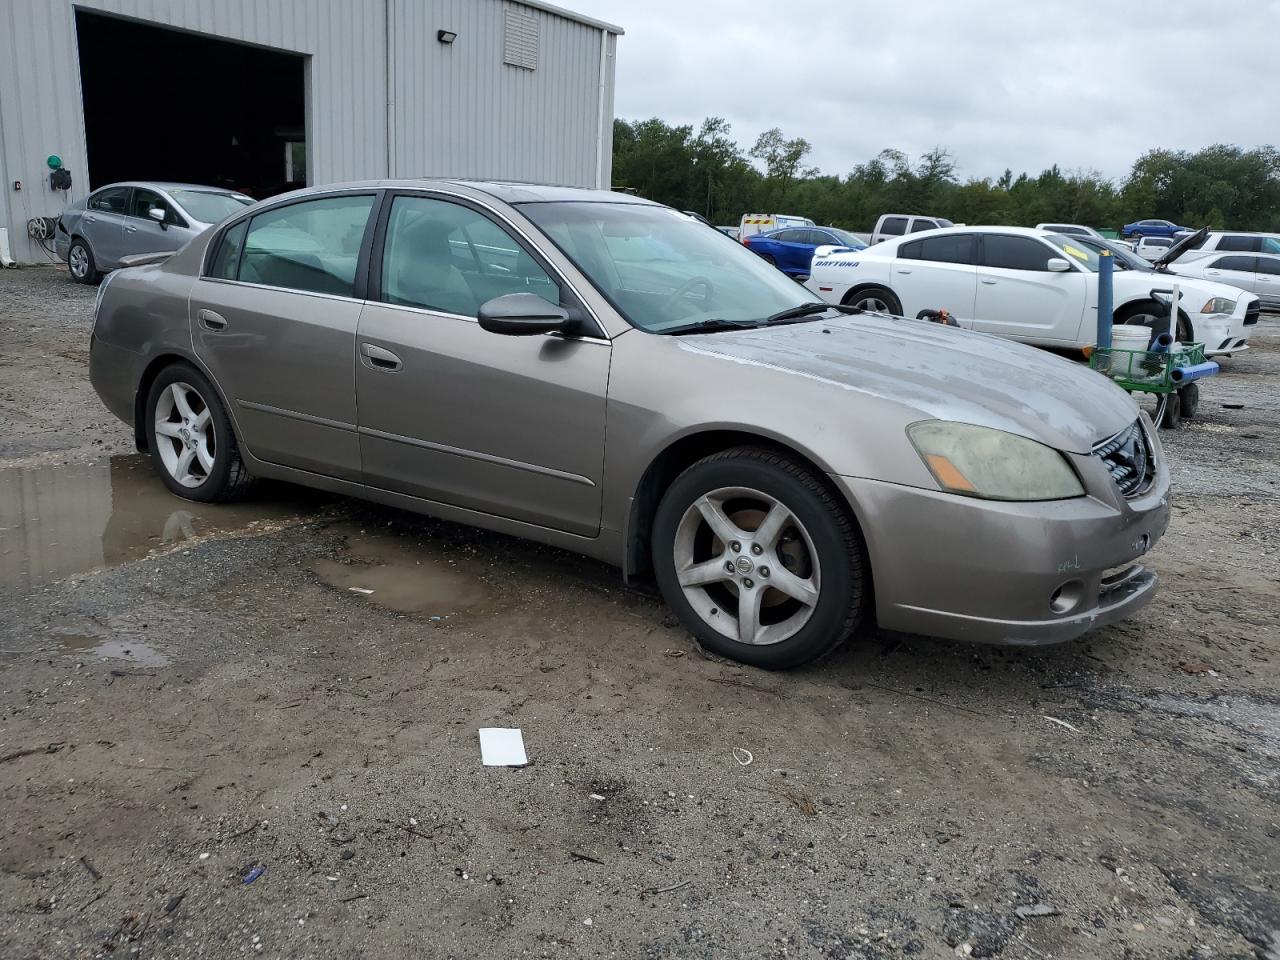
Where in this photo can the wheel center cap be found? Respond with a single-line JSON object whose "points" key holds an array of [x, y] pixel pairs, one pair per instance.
{"points": [[744, 565]]}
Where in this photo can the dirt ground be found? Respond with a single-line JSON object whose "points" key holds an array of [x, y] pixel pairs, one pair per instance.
{"points": [[189, 693]]}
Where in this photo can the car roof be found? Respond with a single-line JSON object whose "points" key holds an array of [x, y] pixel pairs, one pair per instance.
{"points": [[508, 191], [168, 185]]}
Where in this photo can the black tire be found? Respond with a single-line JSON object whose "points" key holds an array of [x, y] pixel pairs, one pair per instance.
{"points": [[1155, 317], [1188, 401], [88, 273], [1169, 411], [228, 478], [843, 585], [886, 296]]}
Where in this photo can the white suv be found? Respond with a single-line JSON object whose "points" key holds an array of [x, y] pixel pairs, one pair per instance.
{"points": [[1030, 285]]}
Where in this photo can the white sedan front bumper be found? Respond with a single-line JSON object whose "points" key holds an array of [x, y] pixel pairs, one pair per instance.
{"points": [[1224, 333]]}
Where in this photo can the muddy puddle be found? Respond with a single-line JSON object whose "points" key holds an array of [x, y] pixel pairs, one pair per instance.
{"points": [[405, 574], [65, 519], [101, 648]]}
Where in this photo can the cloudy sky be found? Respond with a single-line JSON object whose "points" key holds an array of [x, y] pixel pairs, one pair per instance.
{"points": [[1019, 83]]}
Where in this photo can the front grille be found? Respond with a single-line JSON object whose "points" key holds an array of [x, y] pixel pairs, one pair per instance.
{"points": [[1251, 313], [1129, 460]]}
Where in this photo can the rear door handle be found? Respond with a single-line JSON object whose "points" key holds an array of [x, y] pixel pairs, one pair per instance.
{"points": [[212, 321], [131, 229], [376, 358], [90, 219], [989, 281]]}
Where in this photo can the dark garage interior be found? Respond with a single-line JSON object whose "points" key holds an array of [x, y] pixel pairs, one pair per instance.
{"points": [[164, 104]]}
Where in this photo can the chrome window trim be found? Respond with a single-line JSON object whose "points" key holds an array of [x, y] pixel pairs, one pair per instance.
{"points": [[264, 286], [444, 314], [396, 190]]}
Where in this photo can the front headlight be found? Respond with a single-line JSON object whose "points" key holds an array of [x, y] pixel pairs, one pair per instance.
{"points": [[981, 462], [1219, 305]]}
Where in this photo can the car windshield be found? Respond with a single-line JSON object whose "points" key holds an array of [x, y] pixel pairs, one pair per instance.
{"points": [[1128, 260], [209, 207], [661, 269], [1079, 252], [847, 238]]}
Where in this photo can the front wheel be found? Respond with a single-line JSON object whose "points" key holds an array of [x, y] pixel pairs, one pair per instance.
{"points": [[759, 559], [190, 437]]}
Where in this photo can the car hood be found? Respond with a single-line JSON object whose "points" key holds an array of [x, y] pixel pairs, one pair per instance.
{"points": [[1182, 246], [942, 373], [1195, 290]]}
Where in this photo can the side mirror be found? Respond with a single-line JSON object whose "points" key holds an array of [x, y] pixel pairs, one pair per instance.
{"points": [[1058, 265], [522, 315], [157, 214]]}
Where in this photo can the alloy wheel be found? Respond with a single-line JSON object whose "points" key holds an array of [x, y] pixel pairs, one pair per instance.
{"points": [[184, 434], [78, 262], [872, 304], [747, 565]]}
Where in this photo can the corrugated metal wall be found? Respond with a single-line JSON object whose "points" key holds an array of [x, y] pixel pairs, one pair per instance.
{"points": [[457, 109]]}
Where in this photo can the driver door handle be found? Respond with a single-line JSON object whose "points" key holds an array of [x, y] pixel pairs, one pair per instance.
{"points": [[376, 358]]}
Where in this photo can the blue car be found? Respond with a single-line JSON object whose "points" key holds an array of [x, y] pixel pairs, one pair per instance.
{"points": [[1152, 228], [791, 248]]}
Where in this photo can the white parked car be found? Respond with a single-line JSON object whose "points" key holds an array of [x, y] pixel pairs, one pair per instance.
{"points": [[1070, 229], [892, 225], [1255, 273], [1153, 248], [1024, 284], [1222, 241]]}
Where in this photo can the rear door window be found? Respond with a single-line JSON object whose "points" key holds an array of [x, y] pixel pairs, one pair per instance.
{"points": [[313, 245], [112, 200], [226, 262], [948, 248], [1244, 264], [1009, 252], [921, 223], [1235, 241], [1268, 265], [894, 226]]}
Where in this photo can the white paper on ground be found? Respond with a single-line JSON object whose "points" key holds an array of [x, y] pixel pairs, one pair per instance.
{"points": [[502, 747]]}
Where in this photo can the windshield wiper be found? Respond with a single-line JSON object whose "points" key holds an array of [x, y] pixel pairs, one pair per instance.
{"points": [[806, 309], [710, 326]]}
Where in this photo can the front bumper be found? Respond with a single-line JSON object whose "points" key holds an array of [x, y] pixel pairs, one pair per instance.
{"points": [[1226, 334], [1009, 573]]}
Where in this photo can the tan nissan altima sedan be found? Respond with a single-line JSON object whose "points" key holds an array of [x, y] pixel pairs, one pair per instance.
{"points": [[611, 376]]}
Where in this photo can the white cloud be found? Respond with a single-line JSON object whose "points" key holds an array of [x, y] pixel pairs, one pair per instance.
{"points": [[1020, 83]]}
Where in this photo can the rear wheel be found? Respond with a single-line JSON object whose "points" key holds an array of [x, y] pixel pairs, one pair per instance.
{"points": [[190, 437], [80, 262], [758, 559], [875, 300]]}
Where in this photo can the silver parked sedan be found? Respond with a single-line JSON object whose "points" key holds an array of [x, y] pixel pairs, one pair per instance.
{"points": [[607, 375], [133, 219]]}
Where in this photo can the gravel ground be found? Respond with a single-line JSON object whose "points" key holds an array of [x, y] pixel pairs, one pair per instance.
{"points": [[190, 694]]}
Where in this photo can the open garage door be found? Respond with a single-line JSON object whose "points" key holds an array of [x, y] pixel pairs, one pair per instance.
{"points": [[163, 104]]}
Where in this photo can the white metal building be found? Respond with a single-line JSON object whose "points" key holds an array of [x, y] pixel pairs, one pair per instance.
{"points": [[263, 95]]}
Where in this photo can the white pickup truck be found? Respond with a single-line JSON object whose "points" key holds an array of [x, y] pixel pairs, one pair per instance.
{"points": [[1030, 285]]}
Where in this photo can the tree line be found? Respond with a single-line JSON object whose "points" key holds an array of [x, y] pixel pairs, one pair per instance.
{"points": [[707, 171]]}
